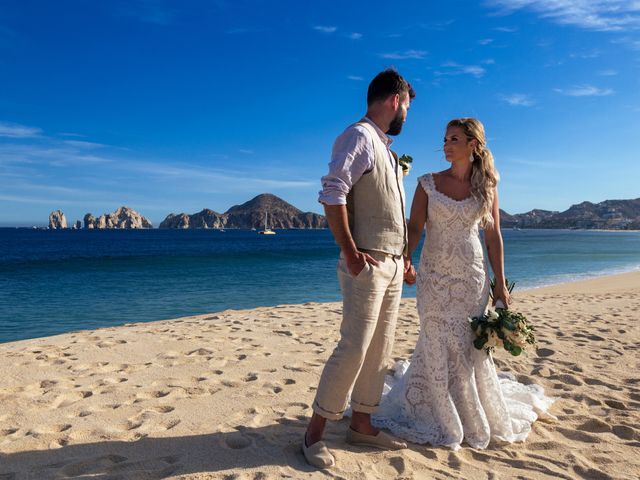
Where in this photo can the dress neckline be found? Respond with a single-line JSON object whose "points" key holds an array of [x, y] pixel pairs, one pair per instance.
{"points": [[444, 195]]}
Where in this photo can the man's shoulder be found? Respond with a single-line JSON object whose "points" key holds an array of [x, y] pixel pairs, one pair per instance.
{"points": [[357, 131]]}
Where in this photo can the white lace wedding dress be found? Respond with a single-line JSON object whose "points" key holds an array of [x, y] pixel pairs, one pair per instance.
{"points": [[450, 391]]}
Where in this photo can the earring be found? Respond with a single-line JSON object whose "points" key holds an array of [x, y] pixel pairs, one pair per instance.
{"points": [[471, 158]]}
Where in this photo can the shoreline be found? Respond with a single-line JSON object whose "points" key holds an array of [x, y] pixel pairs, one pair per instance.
{"points": [[228, 395], [574, 285]]}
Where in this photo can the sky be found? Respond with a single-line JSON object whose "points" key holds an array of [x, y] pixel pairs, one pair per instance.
{"points": [[173, 106]]}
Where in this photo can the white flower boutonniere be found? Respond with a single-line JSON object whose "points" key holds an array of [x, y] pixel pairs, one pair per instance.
{"points": [[405, 163]]}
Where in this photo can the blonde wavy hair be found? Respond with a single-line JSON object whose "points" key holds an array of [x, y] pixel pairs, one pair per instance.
{"points": [[484, 176]]}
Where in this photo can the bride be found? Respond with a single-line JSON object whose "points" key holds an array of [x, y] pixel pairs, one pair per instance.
{"points": [[450, 392]]}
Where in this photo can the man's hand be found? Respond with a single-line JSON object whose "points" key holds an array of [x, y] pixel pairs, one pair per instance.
{"points": [[356, 260]]}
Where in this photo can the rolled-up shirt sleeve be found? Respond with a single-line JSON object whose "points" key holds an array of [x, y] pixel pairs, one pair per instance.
{"points": [[351, 157]]}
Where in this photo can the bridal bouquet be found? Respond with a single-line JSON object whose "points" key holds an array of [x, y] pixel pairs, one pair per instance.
{"points": [[501, 327]]}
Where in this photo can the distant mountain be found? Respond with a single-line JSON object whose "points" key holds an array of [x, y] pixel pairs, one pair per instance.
{"points": [[610, 214], [250, 214]]}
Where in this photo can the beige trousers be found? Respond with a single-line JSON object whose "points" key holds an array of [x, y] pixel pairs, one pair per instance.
{"points": [[358, 364]]}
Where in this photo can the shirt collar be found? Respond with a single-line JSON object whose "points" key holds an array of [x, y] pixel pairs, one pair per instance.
{"points": [[386, 139]]}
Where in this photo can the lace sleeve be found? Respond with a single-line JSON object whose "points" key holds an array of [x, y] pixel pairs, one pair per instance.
{"points": [[426, 182]]}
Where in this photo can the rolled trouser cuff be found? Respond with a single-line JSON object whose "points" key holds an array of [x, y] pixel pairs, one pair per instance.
{"points": [[362, 407], [329, 415]]}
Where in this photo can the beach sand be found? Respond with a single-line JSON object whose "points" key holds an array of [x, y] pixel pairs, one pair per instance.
{"points": [[227, 395]]}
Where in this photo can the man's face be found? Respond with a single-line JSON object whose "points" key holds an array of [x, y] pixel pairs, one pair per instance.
{"points": [[395, 127]]}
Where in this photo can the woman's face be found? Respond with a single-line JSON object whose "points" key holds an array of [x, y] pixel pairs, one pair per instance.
{"points": [[456, 145]]}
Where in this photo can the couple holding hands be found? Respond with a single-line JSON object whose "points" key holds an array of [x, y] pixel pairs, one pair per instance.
{"points": [[450, 391]]}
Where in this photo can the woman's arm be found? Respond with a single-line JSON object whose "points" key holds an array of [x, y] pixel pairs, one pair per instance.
{"points": [[418, 218], [415, 227], [495, 250]]}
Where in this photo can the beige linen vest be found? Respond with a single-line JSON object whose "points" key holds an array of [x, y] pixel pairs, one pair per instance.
{"points": [[375, 204]]}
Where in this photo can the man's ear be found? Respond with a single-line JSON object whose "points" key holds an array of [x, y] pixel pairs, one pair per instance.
{"points": [[396, 101], [393, 101]]}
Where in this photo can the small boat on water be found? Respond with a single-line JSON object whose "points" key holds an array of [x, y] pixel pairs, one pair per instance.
{"points": [[267, 230]]}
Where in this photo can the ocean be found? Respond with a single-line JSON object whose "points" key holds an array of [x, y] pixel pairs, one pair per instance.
{"points": [[56, 281]]}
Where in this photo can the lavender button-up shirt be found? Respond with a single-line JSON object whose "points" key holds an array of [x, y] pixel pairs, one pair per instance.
{"points": [[352, 156]]}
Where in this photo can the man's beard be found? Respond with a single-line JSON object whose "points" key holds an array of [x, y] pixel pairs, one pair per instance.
{"points": [[395, 127]]}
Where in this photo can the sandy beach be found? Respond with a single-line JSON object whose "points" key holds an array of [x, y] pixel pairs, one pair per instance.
{"points": [[227, 396]]}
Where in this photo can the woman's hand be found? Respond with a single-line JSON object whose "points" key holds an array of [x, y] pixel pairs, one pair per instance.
{"points": [[500, 292], [409, 272]]}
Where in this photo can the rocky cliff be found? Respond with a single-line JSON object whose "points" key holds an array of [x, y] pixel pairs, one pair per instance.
{"points": [[123, 217], [250, 214], [57, 220], [610, 214], [203, 219]]}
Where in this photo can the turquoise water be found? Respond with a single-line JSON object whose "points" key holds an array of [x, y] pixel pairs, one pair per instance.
{"points": [[59, 281]]}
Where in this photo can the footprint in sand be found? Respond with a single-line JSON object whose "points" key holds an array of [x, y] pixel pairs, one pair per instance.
{"points": [[201, 352], [236, 441], [566, 378], [625, 432], [545, 352], [251, 377], [578, 436], [70, 398], [96, 465], [163, 409], [588, 473], [595, 425], [618, 405]]}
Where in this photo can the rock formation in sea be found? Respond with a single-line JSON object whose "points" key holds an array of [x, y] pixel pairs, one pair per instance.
{"points": [[122, 218], [204, 219], [77, 225], [57, 220], [248, 215], [89, 221]]}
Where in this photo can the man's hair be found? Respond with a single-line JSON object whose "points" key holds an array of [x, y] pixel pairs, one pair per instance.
{"points": [[387, 83]]}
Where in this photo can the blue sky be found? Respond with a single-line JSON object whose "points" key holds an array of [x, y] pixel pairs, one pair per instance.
{"points": [[178, 106]]}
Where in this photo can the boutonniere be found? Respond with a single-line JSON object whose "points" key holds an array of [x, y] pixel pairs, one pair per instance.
{"points": [[405, 163]]}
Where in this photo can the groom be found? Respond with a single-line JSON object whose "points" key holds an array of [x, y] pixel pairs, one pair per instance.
{"points": [[364, 202]]}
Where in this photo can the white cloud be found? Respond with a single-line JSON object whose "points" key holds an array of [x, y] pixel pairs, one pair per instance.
{"points": [[246, 151], [221, 179], [632, 43], [585, 91], [485, 41], [82, 144], [586, 55], [70, 134], [355, 78], [325, 29], [406, 55], [453, 68], [607, 73], [13, 130], [518, 100], [599, 15], [439, 26], [506, 29], [355, 36]]}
